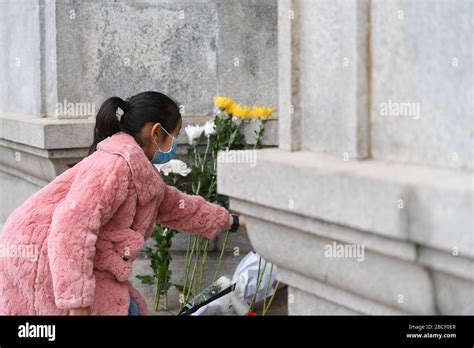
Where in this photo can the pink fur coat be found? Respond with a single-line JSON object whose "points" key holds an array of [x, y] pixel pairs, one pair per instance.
{"points": [[66, 244]]}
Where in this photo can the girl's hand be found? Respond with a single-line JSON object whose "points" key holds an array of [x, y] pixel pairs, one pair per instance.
{"points": [[80, 311]]}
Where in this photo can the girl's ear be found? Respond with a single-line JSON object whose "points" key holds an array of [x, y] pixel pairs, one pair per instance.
{"points": [[155, 130]]}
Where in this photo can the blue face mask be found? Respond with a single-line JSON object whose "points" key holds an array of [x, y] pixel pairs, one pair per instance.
{"points": [[160, 156]]}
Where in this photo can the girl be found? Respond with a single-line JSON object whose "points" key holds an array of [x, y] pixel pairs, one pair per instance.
{"points": [[88, 225]]}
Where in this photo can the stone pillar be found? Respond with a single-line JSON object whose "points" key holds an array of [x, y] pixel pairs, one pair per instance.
{"points": [[35, 146], [366, 206]]}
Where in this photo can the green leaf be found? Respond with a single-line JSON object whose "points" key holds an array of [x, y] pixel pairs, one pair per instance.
{"points": [[146, 279]]}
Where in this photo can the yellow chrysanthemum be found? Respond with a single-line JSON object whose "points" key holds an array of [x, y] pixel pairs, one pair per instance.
{"points": [[223, 102], [241, 112], [230, 108], [262, 112]]}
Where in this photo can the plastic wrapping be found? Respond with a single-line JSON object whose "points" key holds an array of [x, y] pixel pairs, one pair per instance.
{"points": [[231, 297]]}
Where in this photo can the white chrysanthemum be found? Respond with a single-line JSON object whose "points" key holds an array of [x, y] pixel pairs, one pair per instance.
{"points": [[174, 167], [208, 128], [193, 132]]}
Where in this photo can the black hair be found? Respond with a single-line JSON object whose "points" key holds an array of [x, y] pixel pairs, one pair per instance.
{"points": [[137, 111]]}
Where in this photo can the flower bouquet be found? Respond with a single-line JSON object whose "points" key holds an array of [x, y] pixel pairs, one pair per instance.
{"points": [[224, 132]]}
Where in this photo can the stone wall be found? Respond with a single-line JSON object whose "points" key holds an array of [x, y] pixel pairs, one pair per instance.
{"points": [[84, 51], [375, 159], [80, 52]]}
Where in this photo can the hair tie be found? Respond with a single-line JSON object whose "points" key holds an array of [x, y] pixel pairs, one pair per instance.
{"points": [[125, 106]]}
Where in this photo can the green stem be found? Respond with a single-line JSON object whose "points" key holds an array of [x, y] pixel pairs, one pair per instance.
{"points": [[205, 154], [221, 255], [258, 276], [259, 281], [259, 135], [196, 154], [267, 285], [196, 239], [157, 294], [196, 265], [265, 310], [163, 283], [198, 187], [194, 270], [203, 264], [187, 267], [232, 137], [186, 259]]}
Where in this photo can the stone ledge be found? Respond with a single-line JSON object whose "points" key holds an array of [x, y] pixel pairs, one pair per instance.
{"points": [[38, 166], [437, 204], [446, 262], [390, 268], [46, 132], [53, 133], [305, 303], [439, 260], [378, 278], [388, 246], [339, 297]]}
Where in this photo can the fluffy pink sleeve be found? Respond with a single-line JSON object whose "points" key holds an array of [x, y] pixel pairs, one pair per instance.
{"points": [[192, 214], [98, 189]]}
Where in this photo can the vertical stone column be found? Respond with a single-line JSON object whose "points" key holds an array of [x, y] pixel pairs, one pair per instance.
{"points": [[371, 211], [289, 27], [323, 71]]}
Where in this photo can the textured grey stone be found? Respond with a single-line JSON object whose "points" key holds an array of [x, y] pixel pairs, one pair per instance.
{"points": [[181, 240], [361, 195], [247, 32], [412, 61], [43, 165], [288, 176], [270, 135], [289, 123], [336, 299], [46, 132], [25, 169], [237, 243], [387, 246], [448, 261], [453, 295], [380, 278], [174, 49], [166, 47], [304, 303], [14, 191], [334, 87], [20, 63], [441, 215]]}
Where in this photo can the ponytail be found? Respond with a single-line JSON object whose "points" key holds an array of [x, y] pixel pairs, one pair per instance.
{"points": [[137, 111], [107, 122]]}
